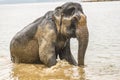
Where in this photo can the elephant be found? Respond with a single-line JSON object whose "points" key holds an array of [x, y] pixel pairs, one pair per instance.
{"points": [[72, 24], [48, 37]]}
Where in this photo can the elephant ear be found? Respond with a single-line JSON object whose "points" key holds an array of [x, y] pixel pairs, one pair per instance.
{"points": [[69, 11], [58, 11], [57, 17]]}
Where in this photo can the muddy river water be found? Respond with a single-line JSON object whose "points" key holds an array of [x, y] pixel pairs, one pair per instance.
{"points": [[102, 60]]}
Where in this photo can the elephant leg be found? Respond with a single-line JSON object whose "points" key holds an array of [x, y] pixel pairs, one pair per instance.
{"points": [[66, 54], [47, 49]]}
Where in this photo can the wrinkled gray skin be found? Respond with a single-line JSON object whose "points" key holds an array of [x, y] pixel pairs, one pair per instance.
{"points": [[49, 36], [72, 24], [36, 42]]}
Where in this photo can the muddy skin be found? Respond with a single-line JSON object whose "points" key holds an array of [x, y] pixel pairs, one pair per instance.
{"points": [[36, 42], [49, 36], [72, 24]]}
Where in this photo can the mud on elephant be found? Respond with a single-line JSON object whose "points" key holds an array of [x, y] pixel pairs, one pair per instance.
{"points": [[49, 36]]}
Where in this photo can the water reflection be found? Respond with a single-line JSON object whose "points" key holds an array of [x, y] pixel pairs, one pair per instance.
{"points": [[62, 70]]}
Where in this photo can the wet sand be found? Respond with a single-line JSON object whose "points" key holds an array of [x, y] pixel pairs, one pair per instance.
{"points": [[102, 60]]}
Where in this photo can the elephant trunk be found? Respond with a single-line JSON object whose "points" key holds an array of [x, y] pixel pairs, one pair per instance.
{"points": [[82, 37]]}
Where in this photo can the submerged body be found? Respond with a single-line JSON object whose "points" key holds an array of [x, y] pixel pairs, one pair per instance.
{"points": [[29, 42], [49, 36], [38, 42]]}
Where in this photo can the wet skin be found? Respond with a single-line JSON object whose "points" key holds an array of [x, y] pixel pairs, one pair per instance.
{"points": [[72, 24], [49, 36]]}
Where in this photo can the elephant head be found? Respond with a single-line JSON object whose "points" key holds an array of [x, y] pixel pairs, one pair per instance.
{"points": [[71, 22]]}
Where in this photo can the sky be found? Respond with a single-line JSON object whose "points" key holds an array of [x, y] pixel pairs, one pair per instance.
{"points": [[30, 1]]}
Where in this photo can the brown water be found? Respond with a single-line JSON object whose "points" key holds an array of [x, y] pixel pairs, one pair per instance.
{"points": [[103, 53]]}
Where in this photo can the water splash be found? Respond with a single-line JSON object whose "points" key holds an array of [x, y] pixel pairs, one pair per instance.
{"points": [[62, 70]]}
